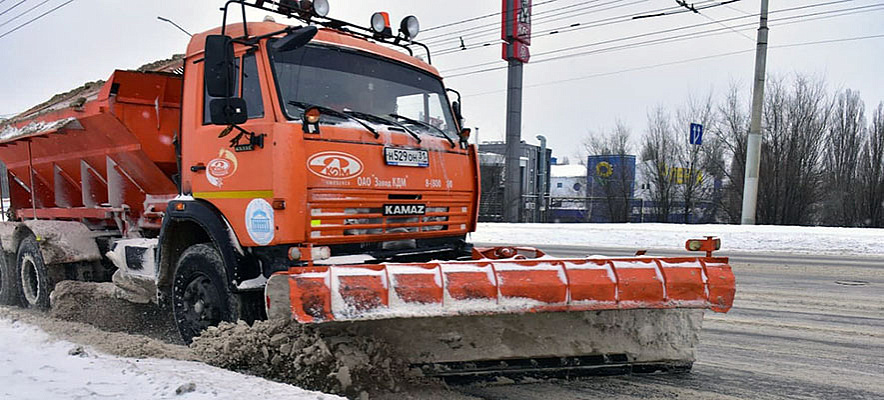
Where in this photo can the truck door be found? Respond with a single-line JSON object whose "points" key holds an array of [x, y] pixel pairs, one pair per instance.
{"points": [[223, 167]]}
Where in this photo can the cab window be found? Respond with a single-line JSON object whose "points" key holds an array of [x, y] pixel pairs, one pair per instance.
{"points": [[250, 90]]}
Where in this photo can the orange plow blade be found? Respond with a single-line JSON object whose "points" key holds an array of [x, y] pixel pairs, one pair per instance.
{"points": [[436, 289], [505, 314]]}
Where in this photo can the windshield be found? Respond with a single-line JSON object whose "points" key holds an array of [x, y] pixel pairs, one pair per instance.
{"points": [[347, 81]]}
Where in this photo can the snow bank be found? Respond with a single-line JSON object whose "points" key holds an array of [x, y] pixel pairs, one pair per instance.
{"points": [[32, 366], [737, 238]]}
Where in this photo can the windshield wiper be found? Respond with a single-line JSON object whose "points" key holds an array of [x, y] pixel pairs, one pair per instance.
{"points": [[336, 113], [382, 120], [426, 125]]}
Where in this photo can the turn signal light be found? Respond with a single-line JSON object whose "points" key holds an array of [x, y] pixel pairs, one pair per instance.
{"points": [[312, 115]]}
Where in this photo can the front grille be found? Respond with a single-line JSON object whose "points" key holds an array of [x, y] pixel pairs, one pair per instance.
{"points": [[358, 216]]}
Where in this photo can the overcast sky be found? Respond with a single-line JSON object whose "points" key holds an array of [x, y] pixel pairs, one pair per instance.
{"points": [[87, 39]]}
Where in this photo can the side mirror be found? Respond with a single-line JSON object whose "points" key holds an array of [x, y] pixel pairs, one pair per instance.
{"points": [[228, 111], [457, 113], [456, 107], [220, 70], [296, 39]]}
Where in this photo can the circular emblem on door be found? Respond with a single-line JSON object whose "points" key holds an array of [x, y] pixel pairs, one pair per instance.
{"points": [[335, 165]]}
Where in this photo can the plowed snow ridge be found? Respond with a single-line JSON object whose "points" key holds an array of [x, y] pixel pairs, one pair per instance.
{"points": [[742, 238], [35, 366]]}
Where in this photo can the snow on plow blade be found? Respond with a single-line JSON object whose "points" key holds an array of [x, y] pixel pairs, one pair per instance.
{"points": [[364, 292], [464, 317]]}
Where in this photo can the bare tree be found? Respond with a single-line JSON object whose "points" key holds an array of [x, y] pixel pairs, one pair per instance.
{"points": [[618, 187], [658, 154], [844, 140], [695, 169], [795, 121], [731, 134], [872, 172]]}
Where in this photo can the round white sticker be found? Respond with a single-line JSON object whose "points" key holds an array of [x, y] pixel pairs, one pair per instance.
{"points": [[259, 221]]}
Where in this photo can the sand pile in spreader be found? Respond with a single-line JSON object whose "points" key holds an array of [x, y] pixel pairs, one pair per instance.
{"points": [[340, 362]]}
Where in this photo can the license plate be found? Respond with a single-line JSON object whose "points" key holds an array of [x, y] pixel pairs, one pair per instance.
{"points": [[405, 209], [406, 157]]}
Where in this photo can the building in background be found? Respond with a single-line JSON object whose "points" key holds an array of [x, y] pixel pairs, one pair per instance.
{"points": [[707, 192], [534, 185], [615, 188], [567, 193]]}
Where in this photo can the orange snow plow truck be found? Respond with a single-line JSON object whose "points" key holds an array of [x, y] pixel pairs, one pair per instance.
{"points": [[321, 173]]}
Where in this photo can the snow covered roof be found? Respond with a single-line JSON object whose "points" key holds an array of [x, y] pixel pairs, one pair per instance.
{"points": [[567, 171]]}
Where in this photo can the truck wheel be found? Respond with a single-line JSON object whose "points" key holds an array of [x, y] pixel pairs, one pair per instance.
{"points": [[33, 275], [200, 295], [10, 291]]}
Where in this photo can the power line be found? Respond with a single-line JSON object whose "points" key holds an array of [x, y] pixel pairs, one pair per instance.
{"points": [[442, 37], [685, 36], [685, 8], [469, 19], [13, 7], [537, 19], [599, 23], [683, 61], [726, 26], [568, 28], [36, 18], [26, 11]]}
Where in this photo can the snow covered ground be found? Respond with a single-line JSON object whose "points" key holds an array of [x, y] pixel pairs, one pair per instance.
{"points": [[734, 238], [34, 366]]}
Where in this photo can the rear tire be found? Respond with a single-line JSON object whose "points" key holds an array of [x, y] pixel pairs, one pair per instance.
{"points": [[10, 286], [200, 295], [32, 274]]}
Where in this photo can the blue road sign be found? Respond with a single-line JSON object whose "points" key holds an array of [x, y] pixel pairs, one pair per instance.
{"points": [[696, 134]]}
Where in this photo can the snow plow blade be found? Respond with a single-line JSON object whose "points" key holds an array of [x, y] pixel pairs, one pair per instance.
{"points": [[504, 312]]}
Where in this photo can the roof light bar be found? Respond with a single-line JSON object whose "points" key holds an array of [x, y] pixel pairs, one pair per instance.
{"points": [[380, 24], [409, 27]]}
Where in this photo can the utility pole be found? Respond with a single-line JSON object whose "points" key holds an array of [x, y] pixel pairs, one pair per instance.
{"points": [[753, 148], [516, 34], [512, 193], [540, 204]]}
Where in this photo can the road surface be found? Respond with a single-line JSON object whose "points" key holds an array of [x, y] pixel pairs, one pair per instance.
{"points": [[802, 327]]}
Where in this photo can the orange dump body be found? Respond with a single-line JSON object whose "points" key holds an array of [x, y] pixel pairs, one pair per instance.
{"points": [[110, 157]]}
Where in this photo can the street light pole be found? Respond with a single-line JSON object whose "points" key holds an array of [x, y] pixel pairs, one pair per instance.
{"points": [[753, 147]]}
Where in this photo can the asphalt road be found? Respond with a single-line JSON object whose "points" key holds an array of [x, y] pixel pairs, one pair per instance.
{"points": [[802, 327]]}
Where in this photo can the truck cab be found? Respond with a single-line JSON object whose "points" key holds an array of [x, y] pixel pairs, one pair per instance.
{"points": [[382, 170]]}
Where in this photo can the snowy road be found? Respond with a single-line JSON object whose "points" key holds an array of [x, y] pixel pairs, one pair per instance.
{"points": [[802, 327]]}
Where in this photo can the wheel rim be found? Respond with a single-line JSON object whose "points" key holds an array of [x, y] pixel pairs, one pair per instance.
{"points": [[200, 304], [30, 279]]}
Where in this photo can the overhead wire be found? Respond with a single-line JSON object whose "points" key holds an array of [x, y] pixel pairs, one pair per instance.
{"points": [[683, 61], [23, 13], [567, 28], [692, 35], [32, 20], [663, 31], [536, 19], [12, 8], [464, 20]]}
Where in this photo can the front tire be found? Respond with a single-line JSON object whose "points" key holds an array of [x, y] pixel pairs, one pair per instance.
{"points": [[200, 295], [33, 275]]}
